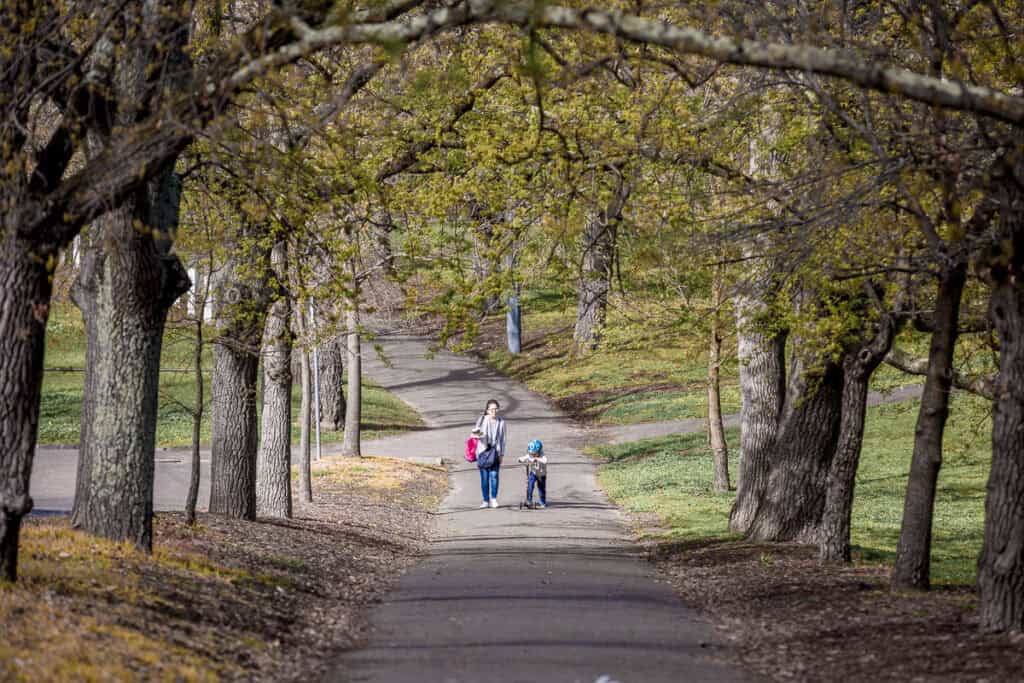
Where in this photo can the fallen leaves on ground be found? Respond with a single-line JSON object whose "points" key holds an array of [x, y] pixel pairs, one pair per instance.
{"points": [[785, 616]]}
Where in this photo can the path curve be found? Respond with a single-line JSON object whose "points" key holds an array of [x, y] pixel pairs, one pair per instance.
{"points": [[505, 595]]}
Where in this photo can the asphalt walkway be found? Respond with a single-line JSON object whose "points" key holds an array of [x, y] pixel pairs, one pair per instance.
{"points": [[512, 595]]}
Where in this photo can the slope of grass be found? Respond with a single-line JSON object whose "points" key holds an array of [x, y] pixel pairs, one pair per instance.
{"points": [[654, 379], [658, 375], [61, 403], [670, 478]]}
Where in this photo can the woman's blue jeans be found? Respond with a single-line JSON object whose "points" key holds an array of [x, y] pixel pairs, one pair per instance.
{"points": [[489, 482]]}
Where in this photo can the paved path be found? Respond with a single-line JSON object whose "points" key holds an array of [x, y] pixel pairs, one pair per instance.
{"points": [[52, 486], [506, 595]]}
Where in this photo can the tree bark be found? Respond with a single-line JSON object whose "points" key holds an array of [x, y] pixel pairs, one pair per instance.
{"points": [[911, 570], [233, 443], [332, 390], [794, 497], [858, 366], [1001, 564], [242, 300], [274, 460], [305, 425], [599, 244], [24, 307], [716, 430], [197, 426], [354, 363], [761, 350], [126, 286], [763, 392]]}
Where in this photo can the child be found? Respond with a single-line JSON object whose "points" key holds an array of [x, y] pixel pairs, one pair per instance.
{"points": [[537, 472]]}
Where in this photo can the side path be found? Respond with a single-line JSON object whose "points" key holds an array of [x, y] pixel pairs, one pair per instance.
{"points": [[506, 595], [646, 430]]}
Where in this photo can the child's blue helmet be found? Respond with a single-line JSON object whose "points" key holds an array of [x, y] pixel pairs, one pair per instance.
{"points": [[534, 446]]}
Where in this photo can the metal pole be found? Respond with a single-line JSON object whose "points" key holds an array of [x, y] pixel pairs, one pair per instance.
{"points": [[316, 379]]}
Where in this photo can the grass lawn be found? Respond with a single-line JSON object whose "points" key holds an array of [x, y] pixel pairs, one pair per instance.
{"points": [[651, 381], [61, 404], [667, 481], [658, 376]]}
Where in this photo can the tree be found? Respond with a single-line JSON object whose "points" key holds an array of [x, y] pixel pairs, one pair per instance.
{"points": [[599, 246], [273, 461], [125, 288]]}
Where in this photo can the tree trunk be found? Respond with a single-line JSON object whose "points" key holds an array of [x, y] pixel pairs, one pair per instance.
{"points": [[24, 307], [911, 570], [274, 461], [762, 357], [332, 393], [353, 414], [858, 366], [305, 425], [485, 266], [794, 498], [761, 350], [197, 426], [233, 443], [127, 284], [242, 301], [599, 245], [716, 430], [1001, 564], [383, 227]]}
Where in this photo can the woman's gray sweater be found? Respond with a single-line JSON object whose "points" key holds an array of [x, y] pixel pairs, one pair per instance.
{"points": [[494, 432]]}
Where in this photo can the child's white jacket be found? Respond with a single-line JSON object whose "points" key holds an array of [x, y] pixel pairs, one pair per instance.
{"points": [[538, 465]]}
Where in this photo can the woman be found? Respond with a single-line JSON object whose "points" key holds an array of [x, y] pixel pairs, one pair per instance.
{"points": [[493, 428]]}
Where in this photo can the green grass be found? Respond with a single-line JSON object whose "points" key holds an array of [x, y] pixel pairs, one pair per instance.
{"points": [[657, 406], [655, 379], [656, 376], [61, 403], [671, 477]]}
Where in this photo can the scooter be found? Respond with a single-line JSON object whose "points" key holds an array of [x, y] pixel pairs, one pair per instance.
{"points": [[524, 503]]}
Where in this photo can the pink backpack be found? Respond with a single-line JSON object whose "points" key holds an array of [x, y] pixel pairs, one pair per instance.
{"points": [[471, 449]]}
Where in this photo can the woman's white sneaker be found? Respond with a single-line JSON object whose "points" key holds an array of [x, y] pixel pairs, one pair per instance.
{"points": [[483, 505], [494, 502]]}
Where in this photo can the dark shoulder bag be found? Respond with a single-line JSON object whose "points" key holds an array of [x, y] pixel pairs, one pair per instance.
{"points": [[487, 459]]}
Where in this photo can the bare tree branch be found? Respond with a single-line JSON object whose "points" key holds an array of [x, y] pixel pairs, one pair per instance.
{"points": [[982, 385]]}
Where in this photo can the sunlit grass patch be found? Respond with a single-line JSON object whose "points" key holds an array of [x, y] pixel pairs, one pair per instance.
{"points": [[379, 474], [43, 643], [666, 405], [670, 478], [958, 525], [615, 384], [61, 619]]}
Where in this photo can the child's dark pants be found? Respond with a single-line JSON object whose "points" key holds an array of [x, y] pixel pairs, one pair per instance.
{"points": [[542, 488]]}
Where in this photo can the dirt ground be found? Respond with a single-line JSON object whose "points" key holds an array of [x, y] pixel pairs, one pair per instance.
{"points": [[788, 618], [271, 600]]}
